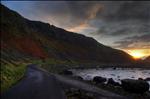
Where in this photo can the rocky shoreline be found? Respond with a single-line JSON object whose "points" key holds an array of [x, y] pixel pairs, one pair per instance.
{"points": [[131, 88]]}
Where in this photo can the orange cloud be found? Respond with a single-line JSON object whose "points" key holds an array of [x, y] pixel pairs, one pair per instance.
{"points": [[91, 15], [81, 28]]}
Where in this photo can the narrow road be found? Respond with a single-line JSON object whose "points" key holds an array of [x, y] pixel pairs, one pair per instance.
{"points": [[39, 84], [36, 84], [101, 94]]}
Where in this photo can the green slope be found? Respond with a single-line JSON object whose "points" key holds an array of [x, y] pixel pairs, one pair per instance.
{"points": [[26, 41], [34, 39]]}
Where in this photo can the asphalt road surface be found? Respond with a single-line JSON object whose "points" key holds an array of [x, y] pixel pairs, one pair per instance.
{"points": [[36, 84], [39, 84]]}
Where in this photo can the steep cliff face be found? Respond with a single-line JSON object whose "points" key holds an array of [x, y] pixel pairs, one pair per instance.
{"points": [[22, 38]]}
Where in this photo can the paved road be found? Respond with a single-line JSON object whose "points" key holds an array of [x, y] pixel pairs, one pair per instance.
{"points": [[36, 85], [101, 94], [39, 84]]}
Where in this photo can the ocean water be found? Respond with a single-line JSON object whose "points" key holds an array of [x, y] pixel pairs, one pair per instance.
{"points": [[117, 74]]}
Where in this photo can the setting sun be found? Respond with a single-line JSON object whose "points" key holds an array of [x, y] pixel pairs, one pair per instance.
{"points": [[138, 53]]}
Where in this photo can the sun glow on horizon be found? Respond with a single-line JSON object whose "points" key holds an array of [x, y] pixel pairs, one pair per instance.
{"points": [[138, 53]]}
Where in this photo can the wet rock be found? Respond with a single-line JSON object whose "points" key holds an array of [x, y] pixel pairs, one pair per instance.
{"points": [[67, 72], [140, 79], [99, 79], [112, 82], [78, 77], [135, 86], [147, 79]]}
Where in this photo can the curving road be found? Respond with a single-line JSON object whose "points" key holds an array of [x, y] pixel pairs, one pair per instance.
{"points": [[39, 84], [36, 84]]}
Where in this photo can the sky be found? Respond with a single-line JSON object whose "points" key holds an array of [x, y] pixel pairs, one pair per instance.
{"points": [[120, 24]]}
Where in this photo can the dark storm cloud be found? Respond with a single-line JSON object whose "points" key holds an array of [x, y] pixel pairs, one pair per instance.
{"points": [[127, 10], [142, 41], [124, 17], [109, 19], [124, 28], [68, 14]]}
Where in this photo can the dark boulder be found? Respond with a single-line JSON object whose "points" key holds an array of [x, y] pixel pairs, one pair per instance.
{"points": [[78, 77], [114, 68], [135, 86], [140, 79], [112, 82], [147, 79], [67, 72], [99, 79]]}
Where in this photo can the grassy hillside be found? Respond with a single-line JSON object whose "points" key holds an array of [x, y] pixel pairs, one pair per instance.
{"points": [[34, 39], [27, 41], [11, 74]]}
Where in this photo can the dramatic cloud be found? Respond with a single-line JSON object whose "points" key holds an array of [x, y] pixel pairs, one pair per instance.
{"points": [[123, 24], [124, 17], [135, 42], [126, 10]]}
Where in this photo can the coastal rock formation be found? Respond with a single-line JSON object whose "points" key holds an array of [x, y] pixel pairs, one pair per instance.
{"points": [[98, 79], [135, 86], [112, 82], [67, 72]]}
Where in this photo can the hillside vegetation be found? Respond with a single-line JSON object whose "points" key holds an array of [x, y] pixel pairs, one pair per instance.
{"points": [[23, 39], [27, 41], [11, 74]]}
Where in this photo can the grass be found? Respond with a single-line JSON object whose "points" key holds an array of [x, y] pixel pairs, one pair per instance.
{"points": [[54, 65], [51, 65], [11, 74]]}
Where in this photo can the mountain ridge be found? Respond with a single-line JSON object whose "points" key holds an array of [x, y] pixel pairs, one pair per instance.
{"points": [[34, 39]]}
